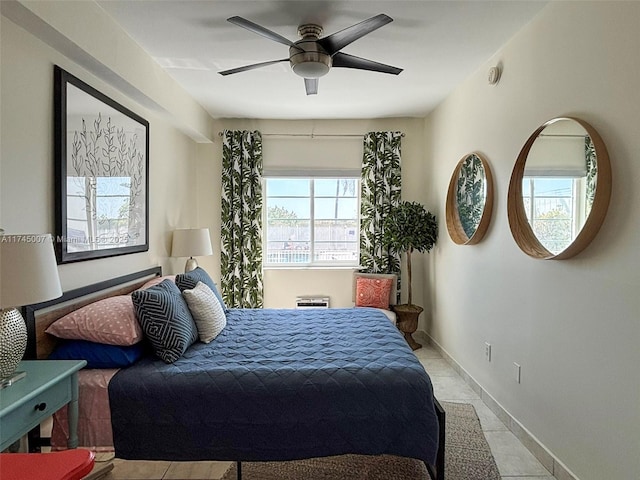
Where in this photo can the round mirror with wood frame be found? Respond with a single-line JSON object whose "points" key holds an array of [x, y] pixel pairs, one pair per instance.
{"points": [[469, 200], [566, 162]]}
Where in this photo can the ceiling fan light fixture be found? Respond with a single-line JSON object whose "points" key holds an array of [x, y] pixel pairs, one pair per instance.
{"points": [[312, 57], [311, 69], [309, 63]]}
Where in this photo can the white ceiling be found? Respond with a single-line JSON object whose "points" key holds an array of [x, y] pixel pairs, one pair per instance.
{"points": [[437, 43]]}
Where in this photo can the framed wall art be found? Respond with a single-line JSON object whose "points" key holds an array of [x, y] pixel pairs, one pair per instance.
{"points": [[101, 173]]}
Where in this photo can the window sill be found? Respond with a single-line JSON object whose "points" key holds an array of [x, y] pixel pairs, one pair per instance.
{"points": [[311, 267]]}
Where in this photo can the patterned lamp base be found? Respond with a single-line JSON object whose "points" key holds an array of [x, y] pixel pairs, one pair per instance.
{"points": [[13, 341]]}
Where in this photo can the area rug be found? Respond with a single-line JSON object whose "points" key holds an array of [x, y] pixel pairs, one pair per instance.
{"points": [[467, 457]]}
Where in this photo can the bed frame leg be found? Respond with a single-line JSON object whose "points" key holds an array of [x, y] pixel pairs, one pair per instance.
{"points": [[437, 472], [239, 470]]}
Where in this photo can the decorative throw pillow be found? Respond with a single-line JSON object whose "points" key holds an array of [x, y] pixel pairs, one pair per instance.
{"points": [[111, 320], [206, 310], [98, 355], [165, 320], [373, 292], [190, 279]]}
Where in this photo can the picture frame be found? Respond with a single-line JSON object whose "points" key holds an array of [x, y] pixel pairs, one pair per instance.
{"points": [[101, 153]]}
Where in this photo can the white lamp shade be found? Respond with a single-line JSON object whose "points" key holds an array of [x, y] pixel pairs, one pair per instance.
{"points": [[191, 242], [28, 270]]}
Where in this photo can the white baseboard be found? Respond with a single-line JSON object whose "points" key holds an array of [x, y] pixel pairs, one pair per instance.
{"points": [[542, 453]]}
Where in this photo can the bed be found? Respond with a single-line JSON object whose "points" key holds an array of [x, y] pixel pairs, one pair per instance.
{"points": [[275, 385]]}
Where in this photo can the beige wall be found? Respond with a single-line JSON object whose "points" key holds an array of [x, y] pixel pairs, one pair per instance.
{"points": [[572, 325], [281, 286], [26, 154]]}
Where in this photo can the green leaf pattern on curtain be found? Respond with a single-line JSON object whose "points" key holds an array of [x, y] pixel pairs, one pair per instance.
{"points": [[470, 194], [380, 190], [241, 246]]}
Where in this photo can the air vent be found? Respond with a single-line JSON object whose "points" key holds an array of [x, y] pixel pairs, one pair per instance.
{"points": [[312, 302]]}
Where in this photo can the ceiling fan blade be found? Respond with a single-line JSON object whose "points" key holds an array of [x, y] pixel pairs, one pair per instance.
{"points": [[311, 86], [345, 60], [337, 41], [255, 28], [251, 67]]}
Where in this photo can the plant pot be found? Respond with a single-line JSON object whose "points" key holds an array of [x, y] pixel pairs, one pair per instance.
{"points": [[407, 322]]}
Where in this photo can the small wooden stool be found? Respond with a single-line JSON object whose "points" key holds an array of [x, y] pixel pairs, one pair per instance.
{"points": [[65, 465]]}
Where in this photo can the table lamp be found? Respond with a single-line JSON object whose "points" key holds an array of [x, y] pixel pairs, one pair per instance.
{"points": [[28, 274], [190, 242]]}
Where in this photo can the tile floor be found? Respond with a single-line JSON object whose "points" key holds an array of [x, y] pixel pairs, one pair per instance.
{"points": [[514, 461]]}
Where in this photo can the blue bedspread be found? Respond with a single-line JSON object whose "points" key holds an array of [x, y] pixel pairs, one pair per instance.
{"points": [[280, 385]]}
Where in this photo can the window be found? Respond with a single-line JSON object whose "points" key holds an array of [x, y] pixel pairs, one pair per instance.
{"points": [[312, 221], [553, 204], [108, 195]]}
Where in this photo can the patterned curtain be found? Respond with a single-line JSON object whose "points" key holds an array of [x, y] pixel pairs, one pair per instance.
{"points": [[241, 250], [380, 190], [471, 194]]}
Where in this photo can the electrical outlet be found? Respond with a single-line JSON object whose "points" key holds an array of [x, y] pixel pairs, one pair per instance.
{"points": [[516, 370], [487, 351]]}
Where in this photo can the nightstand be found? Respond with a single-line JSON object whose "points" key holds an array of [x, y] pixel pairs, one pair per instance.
{"points": [[48, 386]]}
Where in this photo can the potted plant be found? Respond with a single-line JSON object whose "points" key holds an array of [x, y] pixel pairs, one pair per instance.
{"points": [[408, 227]]}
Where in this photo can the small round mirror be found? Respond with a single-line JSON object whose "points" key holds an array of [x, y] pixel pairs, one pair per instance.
{"points": [[469, 200], [559, 189]]}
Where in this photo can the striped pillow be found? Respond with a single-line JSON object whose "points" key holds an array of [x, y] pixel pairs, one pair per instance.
{"points": [[206, 310]]}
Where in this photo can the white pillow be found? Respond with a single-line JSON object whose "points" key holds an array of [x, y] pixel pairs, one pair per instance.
{"points": [[206, 311]]}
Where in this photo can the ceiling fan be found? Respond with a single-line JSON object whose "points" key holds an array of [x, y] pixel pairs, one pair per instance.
{"points": [[312, 57]]}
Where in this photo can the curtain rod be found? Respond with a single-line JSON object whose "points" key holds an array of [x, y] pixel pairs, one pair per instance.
{"points": [[311, 135]]}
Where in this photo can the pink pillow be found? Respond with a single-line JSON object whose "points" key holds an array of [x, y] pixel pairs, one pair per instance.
{"points": [[373, 292], [111, 320], [157, 280]]}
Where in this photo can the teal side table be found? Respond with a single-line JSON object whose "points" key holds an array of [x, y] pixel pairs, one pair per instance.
{"points": [[47, 386]]}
